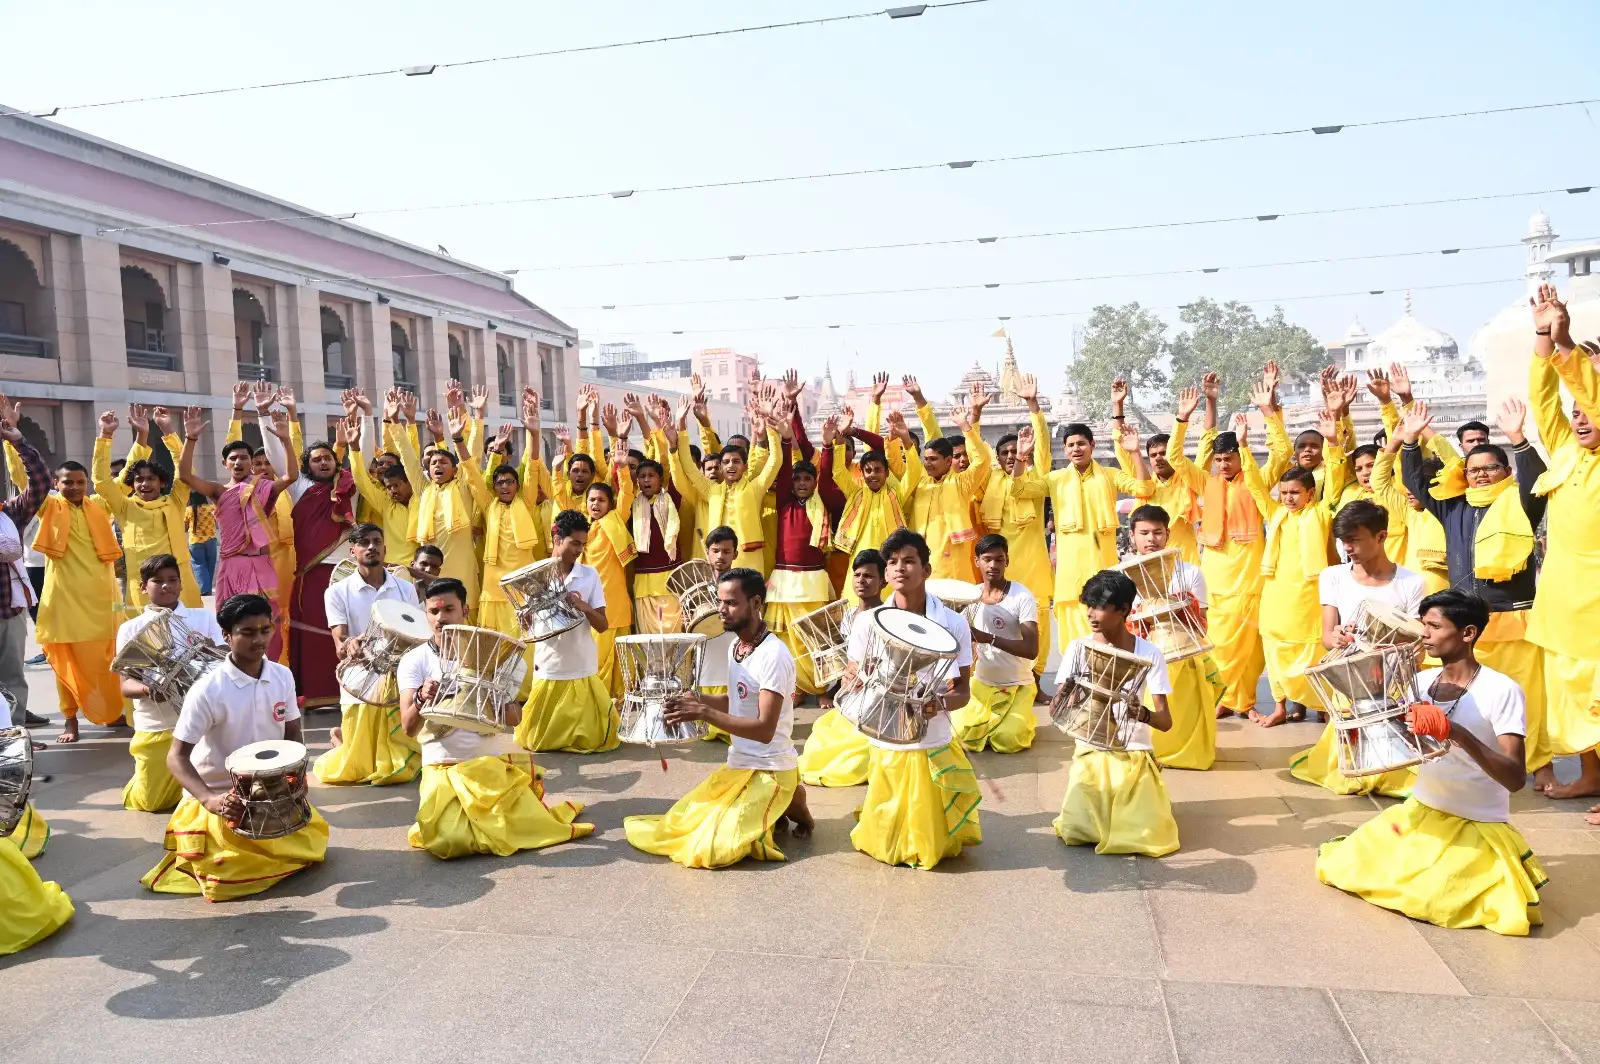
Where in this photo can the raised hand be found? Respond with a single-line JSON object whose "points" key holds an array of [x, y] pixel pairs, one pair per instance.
{"points": [[285, 396], [263, 393], [347, 400], [564, 438], [352, 428], [686, 406], [341, 431], [501, 443], [1400, 382], [1328, 378], [241, 395], [165, 422], [139, 421], [1188, 400], [608, 419], [363, 404], [1416, 421], [1510, 417], [1263, 398], [452, 394], [280, 424], [880, 384], [456, 420], [897, 425], [913, 388], [963, 419], [1271, 375], [10, 413], [435, 424], [408, 407], [1130, 437], [1241, 429], [1210, 386], [1550, 313], [977, 399], [625, 423], [108, 424], [194, 422], [830, 431], [1347, 389], [1025, 445], [480, 400], [1378, 385], [791, 383], [1119, 394], [391, 404], [1328, 424], [847, 420]]}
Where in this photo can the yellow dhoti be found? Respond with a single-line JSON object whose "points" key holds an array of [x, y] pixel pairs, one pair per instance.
{"points": [[576, 716], [1235, 635], [1524, 663], [1071, 622], [1117, 801], [1437, 867], [605, 645], [32, 833], [1320, 765], [84, 680], [205, 857], [373, 748], [835, 753], [780, 617], [1286, 664], [1191, 742], [1572, 715], [998, 717], [30, 908], [727, 817], [490, 805], [921, 806], [151, 788]]}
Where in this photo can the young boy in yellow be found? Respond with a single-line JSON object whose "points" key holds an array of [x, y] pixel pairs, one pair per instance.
{"points": [[151, 522], [609, 550]]}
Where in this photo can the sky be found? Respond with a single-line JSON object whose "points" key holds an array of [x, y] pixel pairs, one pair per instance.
{"points": [[1002, 77]]}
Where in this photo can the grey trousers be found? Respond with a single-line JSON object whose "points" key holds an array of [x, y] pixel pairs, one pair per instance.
{"points": [[13, 640]]}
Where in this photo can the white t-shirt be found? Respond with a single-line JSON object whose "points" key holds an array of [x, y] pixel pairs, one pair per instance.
{"points": [[1156, 681], [938, 733], [349, 602], [1337, 587], [226, 709], [1005, 618], [1455, 783], [714, 661], [572, 655], [770, 667], [149, 715], [445, 746]]}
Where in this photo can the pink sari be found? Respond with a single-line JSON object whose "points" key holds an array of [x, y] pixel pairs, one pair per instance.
{"points": [[244, 544]]}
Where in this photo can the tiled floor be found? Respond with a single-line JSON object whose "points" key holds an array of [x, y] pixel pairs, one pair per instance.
{"points": [[1022, 949]]}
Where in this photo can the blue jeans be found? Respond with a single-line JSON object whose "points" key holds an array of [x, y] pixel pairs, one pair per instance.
{"points": [[204, 558]]}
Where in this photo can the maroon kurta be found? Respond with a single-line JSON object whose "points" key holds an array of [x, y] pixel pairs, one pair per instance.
{"points": [[322, 516]]}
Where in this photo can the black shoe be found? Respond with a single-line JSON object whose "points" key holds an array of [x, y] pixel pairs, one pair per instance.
{"points": [[33, 720]]}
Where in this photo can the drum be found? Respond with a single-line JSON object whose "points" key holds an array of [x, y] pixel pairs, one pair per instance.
{"points": [[480, 671], [269, 780], [348, 567], [824, 633], [1094, 705], [694, 584], [1379, 624], [393, 628], [655, 670], [957, 595], [16, 776], [904, 669], [538, 593], [1169, 619], [167, 656], [1368, 693]]}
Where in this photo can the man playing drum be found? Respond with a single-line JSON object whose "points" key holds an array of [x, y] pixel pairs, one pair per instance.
{"points": [[244, 700], [507, 813], [732, 813], [369, 746], [1005, 627], [836, 752]]}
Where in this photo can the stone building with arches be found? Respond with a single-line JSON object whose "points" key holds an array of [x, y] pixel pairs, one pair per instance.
{"points": [[125, 278]]}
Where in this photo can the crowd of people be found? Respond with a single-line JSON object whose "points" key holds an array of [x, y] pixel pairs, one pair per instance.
{"points": [[433, 508]]}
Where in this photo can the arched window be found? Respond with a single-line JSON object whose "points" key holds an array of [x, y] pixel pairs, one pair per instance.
{"points": [[338, 363], [400, 351], [458, 363], [144, 320], [505, 375]]}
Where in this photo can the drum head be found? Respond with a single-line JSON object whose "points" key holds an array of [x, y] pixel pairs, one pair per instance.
{"points": [[956, 594], [708, 625], [1395, 620], [401, 618], [516, 576], [267, 756], [675, 640], [915, 630]]}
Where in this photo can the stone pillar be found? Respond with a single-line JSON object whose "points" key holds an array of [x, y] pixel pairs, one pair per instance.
{"points": [[210, 356], [433, 362], [376, 375], [92, 287], [300, 342]]}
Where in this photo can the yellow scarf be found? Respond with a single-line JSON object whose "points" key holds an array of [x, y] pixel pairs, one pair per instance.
{"points": [[609, 533], [55, 528], [817, 514], [666, 516], [171, 511], [1504, 542], [1313, 549], [1427, 540], [524, 529], [1087, 505], [442, 509]]}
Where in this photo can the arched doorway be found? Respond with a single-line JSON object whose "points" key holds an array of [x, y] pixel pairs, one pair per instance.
{"points": [[338, 361], [144, 320], [255, 340], [505, 375], [25, 313], [458, 362], [404, 357]]}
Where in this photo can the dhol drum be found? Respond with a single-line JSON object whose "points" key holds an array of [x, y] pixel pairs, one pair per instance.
{"points": [[16, 776], [905, 668], [348, 568], [480, 670], [269, 781], [1379, 624], [694, 583], [825, 632], [655, 670], [1169, 619], [168, 657], [538, 593], [393, 628], [957, 595], [1096, 702], [1368, 693]]}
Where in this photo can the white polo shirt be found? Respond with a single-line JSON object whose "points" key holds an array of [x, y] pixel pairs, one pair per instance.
{"points": [[938, 733], [1455, 784], [770, 667], [572, 655], [1156, 681], [150, 715], [1005, 618], [349, 602], [227, 709], [440, 746]]}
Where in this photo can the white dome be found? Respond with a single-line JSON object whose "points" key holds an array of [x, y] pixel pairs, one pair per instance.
{"points": [[1356, 334], [1410, 341], [1539, 224]]}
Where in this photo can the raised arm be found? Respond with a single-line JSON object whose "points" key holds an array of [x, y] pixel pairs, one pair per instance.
{"points": [[194, 423], [113, 491], [1525, 461], [33, 485]]}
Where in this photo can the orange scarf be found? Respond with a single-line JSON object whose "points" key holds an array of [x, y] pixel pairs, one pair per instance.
{"points": [[55, 528], [1229, 514]]}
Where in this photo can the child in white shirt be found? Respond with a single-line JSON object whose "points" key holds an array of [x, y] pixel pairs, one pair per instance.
{"points": [[1005, 634]]}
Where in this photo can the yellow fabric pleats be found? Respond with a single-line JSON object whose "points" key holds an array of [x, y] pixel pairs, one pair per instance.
{"points": [[1235, 634], [727, 817], [1286, 664], [1572, 714], [1320, 765], [374, 748], [490, 805], [576, 716], [1524, 663], [605, 645], [1191, 742], [151, 789], [204, 857], [780, 618], [1441, 868], [1000, 718], [656, 614], [32, 833], [835, 753], [30, 908], [1117, 801], [921, 806], [1072, 621]]}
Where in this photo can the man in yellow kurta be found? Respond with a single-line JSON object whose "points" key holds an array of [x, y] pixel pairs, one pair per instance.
{"points": [[875, 504], [390, 500], [1084, 498], [1177, 494], [76, 627], [152, 523], [941, 499], [608, 551], [1013, 507], [452, 500], [737, 501]]}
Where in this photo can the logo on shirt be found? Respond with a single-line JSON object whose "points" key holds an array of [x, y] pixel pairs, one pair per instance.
{"points": [[279, 711], [744, 692]]}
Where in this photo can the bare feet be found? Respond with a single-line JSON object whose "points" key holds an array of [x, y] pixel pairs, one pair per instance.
{"points": [[1582, 787], [1594, 815], [799, 815], [1545, 778], [336, 736], [1271, 720], [1294, 712], [1223, 713], [824, 701], [69, 731]]}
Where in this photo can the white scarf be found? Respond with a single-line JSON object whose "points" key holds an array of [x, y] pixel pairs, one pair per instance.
{"points": [[666, 516]]}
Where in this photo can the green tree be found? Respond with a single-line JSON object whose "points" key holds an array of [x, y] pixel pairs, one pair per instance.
{"points": [[1229, 339], [1126, 342]]}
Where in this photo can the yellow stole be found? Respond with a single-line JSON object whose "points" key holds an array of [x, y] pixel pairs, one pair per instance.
{"points": [[524, 529], [1313, 551], [55, 528], [610, 532], [442, 509], [1088, 503]]}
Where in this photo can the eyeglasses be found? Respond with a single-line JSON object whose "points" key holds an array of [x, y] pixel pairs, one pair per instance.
{"points": [[1486, 469]]}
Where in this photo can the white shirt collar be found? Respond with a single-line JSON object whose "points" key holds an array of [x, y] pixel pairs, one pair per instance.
{"points": [[239, 678]]}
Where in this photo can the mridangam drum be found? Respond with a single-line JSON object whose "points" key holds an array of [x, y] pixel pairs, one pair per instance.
{"points": [[655, 670], [907, 661], [393, 628], [957, 595], [167, 656], [694, 583], [1368, 693], [824, 633], [16, 776], [269, 782], [1095, 703], [1169, 619], [1379, 624], [538, 593], [480, 671]]}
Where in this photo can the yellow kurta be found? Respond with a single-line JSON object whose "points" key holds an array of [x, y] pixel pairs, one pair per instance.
{"points": [[1087, 544], [79, 589], [738, 505], [445, 516], [148, 528], [868, 516], [1014, 508], [394, 519], [942, 510], [1179, 496]]}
